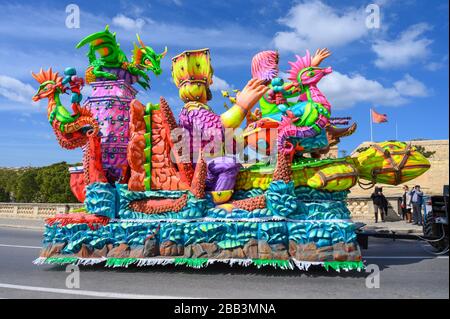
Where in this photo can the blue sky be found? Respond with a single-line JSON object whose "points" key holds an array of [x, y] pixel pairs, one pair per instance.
{"points": [[401, 68]]}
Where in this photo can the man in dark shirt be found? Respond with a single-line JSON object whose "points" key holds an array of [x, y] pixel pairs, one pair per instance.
{"points": [[380, 203]]}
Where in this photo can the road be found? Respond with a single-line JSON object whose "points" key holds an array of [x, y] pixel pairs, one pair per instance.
{"points": [[407, 270]]}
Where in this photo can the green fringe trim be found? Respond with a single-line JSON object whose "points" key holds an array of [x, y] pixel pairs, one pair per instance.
{"points": [[120, 262], [203, 262], [192, 262], [346, 265], [283, 264], [61, 260]]}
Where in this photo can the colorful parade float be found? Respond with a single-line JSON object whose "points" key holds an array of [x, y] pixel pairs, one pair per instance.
{"points": [[251, 186]]}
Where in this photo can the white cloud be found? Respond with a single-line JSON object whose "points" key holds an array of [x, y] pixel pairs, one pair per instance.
{"points": [[157, 33], [437, 65], [15, 90], [434, 66], [315, 24], [345, 91], [409, 86], [220, 84], [128, 23], [410, 47]]}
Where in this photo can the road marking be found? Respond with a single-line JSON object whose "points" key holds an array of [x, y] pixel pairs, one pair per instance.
{"points": [[89, 293], [24, 228], [19, 246], [404, 257]]}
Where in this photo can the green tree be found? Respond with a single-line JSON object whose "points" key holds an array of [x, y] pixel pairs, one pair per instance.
{"points": [[27, 189], [54, 184], [42, 184], [8, 180], [4, 195]]}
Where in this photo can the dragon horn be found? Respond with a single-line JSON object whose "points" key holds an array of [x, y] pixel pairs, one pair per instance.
{"points": [[140, 41], [163, 54], [35, 76]]}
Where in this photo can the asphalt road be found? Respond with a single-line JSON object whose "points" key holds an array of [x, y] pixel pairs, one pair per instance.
{"points": [[407, 270]]}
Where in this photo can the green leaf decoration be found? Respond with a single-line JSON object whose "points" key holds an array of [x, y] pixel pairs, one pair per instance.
{"points": [[346, 265], [277, 263], [120, 262], [191, 262], [61, 260]]}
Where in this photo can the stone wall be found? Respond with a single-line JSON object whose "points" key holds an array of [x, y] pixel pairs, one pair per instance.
{"points": [[34, 210], [362, 209], [432, 181]]}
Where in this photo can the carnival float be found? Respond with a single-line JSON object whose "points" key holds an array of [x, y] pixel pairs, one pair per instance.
{"points": [[159, 191]]}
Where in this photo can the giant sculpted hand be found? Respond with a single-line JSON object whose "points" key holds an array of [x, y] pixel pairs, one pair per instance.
{"points": [[319, 56], [245, 100], [251, 94]]}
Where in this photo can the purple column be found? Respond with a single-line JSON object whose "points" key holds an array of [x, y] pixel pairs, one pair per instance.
{"points": [[110, 106]]}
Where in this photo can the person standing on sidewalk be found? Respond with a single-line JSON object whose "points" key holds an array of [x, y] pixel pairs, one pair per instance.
{"points": [[379, 203], [406, 204], [416, 202]]}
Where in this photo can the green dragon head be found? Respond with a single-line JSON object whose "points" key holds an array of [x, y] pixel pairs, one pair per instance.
{"points": [[146, 58], [50, 83]]}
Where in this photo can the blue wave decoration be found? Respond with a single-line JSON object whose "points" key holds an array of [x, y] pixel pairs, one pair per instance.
{"points": [[101, 199]]}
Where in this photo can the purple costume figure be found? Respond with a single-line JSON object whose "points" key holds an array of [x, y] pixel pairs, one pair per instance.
{"points": [[200, 122], [192, 74]]}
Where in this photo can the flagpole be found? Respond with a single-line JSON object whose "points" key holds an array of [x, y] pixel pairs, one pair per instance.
{"points": [[396, 131], [371, 129]]}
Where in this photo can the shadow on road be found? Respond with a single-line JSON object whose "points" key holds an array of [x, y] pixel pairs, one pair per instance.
{"points": [[387, 252], [221, 269]]}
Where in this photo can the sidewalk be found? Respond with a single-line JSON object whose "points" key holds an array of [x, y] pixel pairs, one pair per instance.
{"points": [[33, 224], [400, 227]]}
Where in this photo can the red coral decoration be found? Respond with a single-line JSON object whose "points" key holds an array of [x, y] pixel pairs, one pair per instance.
{"points": [[78, 186], [257, 202], [199, 180], [136, 146], [92, 161], [93, 221], [185, 167], [159, 206], [283, 169]]}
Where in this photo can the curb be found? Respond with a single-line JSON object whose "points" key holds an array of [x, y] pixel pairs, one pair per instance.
{"points": [[397, 231]]}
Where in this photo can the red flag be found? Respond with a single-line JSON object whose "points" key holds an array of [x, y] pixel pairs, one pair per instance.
{"points": [[378, 118]]}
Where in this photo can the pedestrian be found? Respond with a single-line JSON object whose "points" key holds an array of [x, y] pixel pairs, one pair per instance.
{"points": [[416, 203], [379, 203], [406, 204], [385, 203]]}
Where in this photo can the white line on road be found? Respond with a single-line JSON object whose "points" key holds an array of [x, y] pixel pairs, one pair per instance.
{"points": [[19, 246], [90, 293]]}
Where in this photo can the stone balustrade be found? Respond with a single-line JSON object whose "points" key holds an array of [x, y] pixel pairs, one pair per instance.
{"points": [[360, 207], [34, 210]]}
